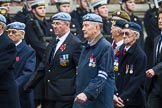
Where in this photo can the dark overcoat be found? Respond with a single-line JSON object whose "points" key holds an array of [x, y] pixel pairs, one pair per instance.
{"points": [[9, 97]]}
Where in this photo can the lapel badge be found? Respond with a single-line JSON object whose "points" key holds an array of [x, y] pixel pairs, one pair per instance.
{"points": [[131, 69], [17, 58], [92, 61], [63, 47], [127, 68]]}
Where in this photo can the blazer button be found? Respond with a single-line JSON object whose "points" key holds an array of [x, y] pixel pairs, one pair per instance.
{"points": [[49, 70], [118, 74], [127, 99], [48, 80]]}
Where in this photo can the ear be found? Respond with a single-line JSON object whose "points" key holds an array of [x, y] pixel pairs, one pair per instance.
{"points": [[136, 35]]}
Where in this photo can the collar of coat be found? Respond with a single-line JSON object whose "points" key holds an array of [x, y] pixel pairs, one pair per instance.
{"points": [[95, 40]]}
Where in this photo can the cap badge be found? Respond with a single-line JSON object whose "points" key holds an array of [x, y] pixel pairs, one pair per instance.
{"points": [[126, 25]]}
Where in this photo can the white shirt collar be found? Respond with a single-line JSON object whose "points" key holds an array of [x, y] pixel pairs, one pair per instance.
{"points": [[62, 38], [119, 43], [18, 42], [127, 48]]}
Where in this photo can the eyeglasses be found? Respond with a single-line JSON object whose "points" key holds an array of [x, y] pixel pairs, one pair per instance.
{"points": [[129, 34], [11, 31]]}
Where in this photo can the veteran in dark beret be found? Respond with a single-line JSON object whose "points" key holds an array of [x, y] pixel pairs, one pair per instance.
{"points": [[132, 66], [59, 66], [9, 96], [25, 62], [95, 79]]}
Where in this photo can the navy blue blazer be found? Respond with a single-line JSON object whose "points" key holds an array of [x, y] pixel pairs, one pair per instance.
{"points": [[24, 68], [9, 97], [131, 75]]}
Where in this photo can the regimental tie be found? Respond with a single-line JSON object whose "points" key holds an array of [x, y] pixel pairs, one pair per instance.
{"points": [[158, 49], [53, 50], [114, 45], [125, 51]]}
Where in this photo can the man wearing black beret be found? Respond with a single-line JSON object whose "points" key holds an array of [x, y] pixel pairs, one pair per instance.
{"points": [[132, 67]]}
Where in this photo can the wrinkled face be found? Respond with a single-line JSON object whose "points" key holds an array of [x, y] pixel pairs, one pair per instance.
{"points": [[103, 11], [60, 27], [6, 5], [131, 5], [160, 21], [115, 31], [65, 8], [89, 29], [40, 11], [15, 35], [129, 37]]}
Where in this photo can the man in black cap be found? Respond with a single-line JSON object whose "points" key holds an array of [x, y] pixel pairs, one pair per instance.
{"points": [[132, 66]]}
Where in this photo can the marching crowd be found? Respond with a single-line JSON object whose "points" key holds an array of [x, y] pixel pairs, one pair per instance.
{"points": [[81, 58]]}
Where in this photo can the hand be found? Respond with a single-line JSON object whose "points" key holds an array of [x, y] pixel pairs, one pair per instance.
{"points": [[150, 73], [118, 102], [81, 98]]}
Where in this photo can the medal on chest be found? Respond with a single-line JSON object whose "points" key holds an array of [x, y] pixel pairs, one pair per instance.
{"points": [[64, 60], [92, 61], [116, 64]]}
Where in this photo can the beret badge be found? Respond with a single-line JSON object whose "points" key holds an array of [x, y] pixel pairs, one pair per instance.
{"points": [[126, 25]]}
